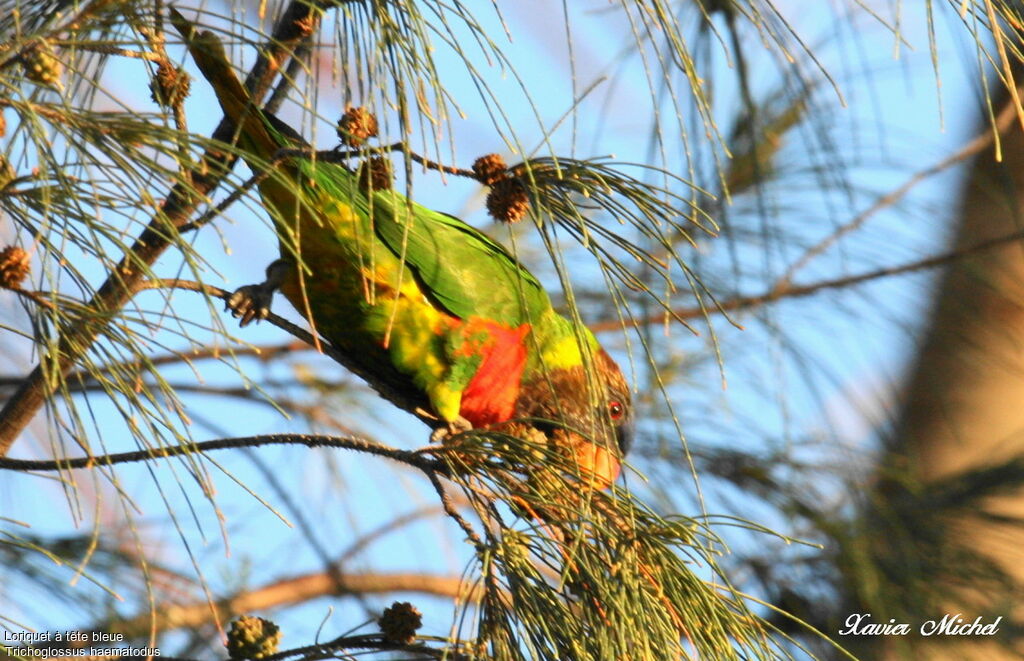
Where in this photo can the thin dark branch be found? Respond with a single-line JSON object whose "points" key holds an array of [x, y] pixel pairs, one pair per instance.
{"points": [[338, 155], [328, 155], [264, 353], [368, 538], [407, 400], [414, 459], [33, 296], [366, 642], [975, 146], [223, 205], [797, 291], [452, 513]]}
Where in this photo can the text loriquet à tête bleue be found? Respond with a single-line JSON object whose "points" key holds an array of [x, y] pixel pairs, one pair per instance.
{"points": [[63, 636]]}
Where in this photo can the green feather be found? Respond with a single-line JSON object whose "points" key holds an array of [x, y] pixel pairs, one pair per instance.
{"points": [[459, 268], [463, 270]]}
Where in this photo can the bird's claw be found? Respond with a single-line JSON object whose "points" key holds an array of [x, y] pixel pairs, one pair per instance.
{"points": [[450, 429], [250, 303]]}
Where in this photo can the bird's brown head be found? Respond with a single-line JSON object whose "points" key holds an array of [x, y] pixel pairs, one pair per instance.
{"points": [[586, 414]]}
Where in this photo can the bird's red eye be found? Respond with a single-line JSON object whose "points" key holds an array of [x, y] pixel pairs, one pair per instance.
{"points": [[616, 410]]}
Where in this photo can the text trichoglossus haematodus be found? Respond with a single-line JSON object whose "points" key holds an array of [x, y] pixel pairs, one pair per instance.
{"points": [[421, 301]]}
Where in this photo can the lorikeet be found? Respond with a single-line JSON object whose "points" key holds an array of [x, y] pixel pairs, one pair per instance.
{"points": [[421, 300]]}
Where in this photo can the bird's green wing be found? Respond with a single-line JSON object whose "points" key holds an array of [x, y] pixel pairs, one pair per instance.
{"points": [[459, 267]]}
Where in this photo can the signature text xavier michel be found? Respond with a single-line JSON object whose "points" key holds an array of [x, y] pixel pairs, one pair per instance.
{"points": [[860, 624]]}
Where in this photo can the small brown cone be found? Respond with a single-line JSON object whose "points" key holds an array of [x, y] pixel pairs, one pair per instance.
{"points": [[41, 65], [356, 126], [490, 169], [252, 638], [170, 86], [3, 125], [399, 623], [376, 173], [508, 201], [15, 265]]}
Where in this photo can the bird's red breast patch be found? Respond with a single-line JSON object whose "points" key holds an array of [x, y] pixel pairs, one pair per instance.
{"points": [[490, 396]]}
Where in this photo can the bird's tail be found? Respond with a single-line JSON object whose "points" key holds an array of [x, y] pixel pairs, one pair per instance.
{"points": [[255, 134]]}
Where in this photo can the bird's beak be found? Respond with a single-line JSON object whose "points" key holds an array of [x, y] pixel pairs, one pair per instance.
{"points": [[598, 467]]}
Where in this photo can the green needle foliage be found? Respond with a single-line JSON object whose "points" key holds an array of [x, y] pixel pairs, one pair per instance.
{"points": [[574, 573]]}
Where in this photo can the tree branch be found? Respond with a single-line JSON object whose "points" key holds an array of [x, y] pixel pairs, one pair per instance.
{"points": [[976, 145], [407, 399], [264, 353], [797, 291], [414, 459], [182, 202]]}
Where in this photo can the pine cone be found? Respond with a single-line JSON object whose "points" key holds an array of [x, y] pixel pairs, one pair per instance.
{"points": [[170, 86], [356, 126], [41, 65], [252, 638], [376, 173], [508, 201], [3, 125], [15, 265], [490, 169], [400, 622]]}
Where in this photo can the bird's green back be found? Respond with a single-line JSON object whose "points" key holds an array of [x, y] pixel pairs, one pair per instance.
{"points": [[458, 267]]}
